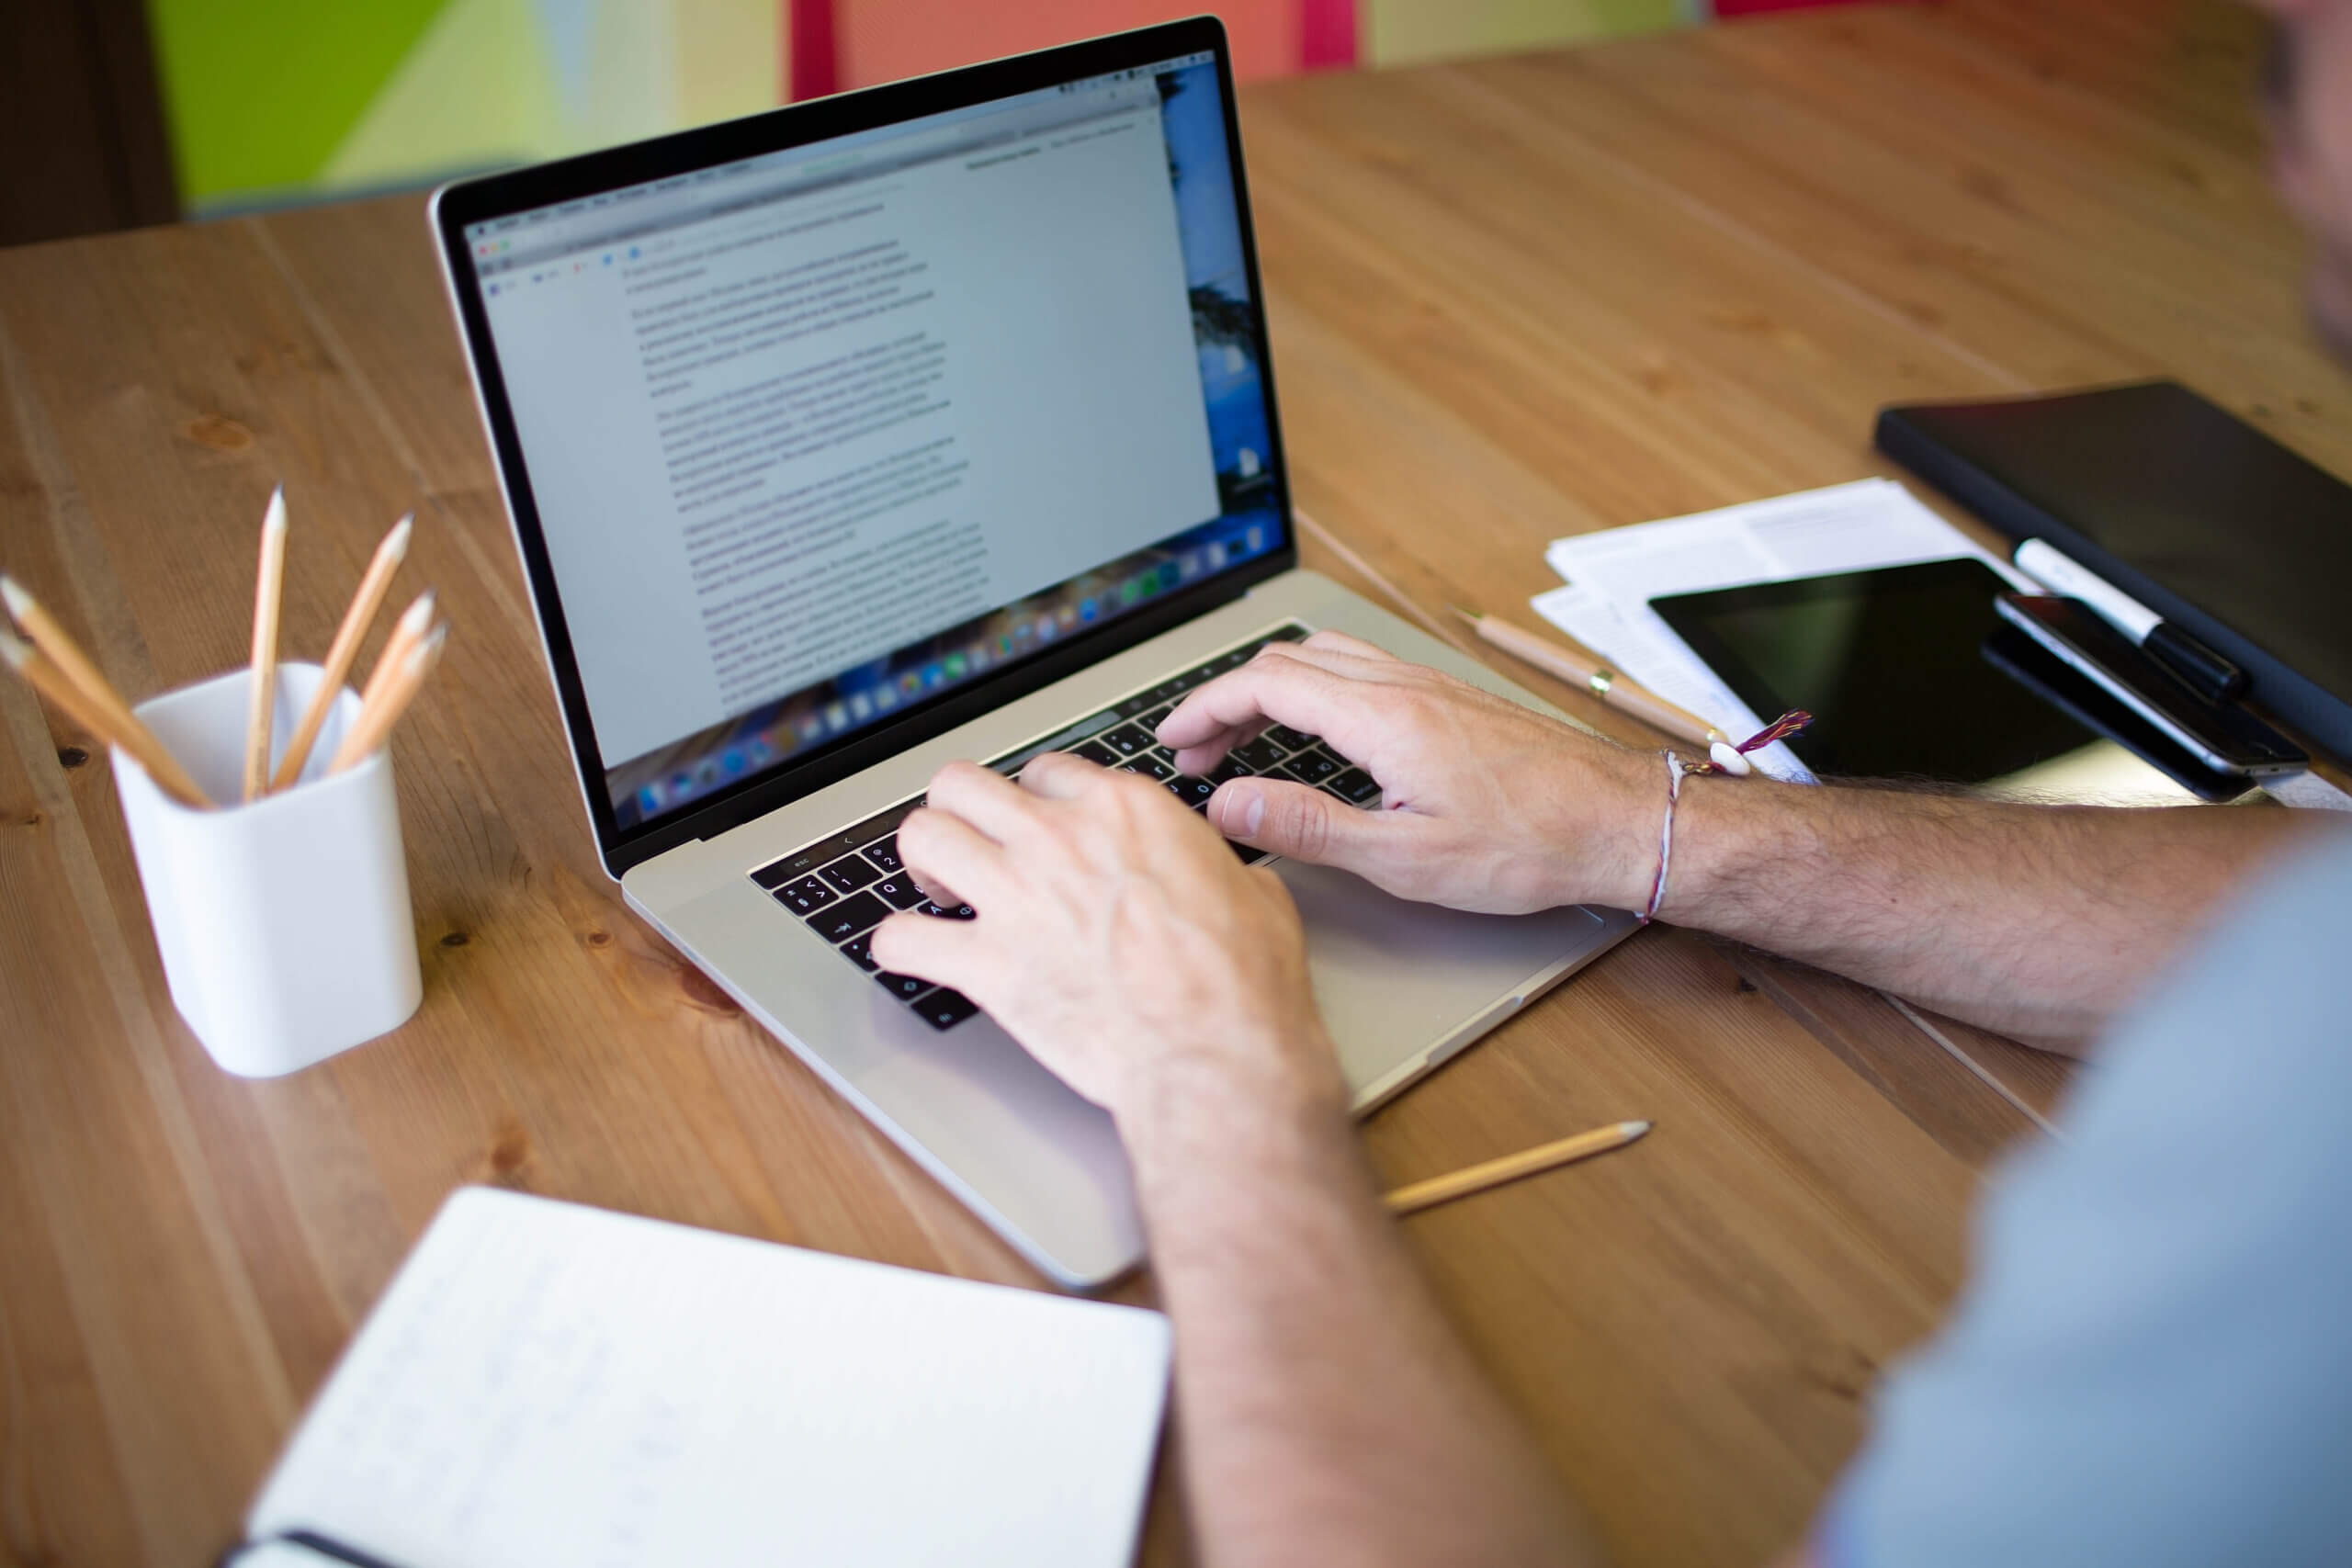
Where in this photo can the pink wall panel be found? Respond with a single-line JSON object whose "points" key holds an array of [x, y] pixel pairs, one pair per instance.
{"points": [[881, 41]]}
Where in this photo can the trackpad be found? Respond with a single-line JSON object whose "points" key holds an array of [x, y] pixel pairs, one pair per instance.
{"points": [[1394, 978]]}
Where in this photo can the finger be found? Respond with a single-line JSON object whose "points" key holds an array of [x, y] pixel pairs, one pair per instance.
{"points": [[986, 799], [1304, 824], [944, 952], [1354, 647], [945, 852], [1283, 689], [1057, 775]]}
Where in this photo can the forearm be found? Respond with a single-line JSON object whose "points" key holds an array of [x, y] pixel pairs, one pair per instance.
{"points": [[1327, 1410], [2040, 921]]}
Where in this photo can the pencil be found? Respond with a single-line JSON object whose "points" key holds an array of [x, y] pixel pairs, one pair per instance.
{"points": [[1596, 677], [374, 725], [50, 682], [1510, 1167], [269, 581], [414, 622], [345, 650], [124, 727]]}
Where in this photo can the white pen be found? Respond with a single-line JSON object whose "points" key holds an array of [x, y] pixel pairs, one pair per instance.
{"points": [[2183, 654]]}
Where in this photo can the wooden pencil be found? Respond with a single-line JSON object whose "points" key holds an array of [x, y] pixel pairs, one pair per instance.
{"points": [[125, 729], [1595, 676], [369, 597], [1510, 1167], [414, 622], [50, 682], [374, 725], [270, 581]]}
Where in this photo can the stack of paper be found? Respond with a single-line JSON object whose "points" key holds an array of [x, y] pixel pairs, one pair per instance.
{"points": [[1612, 575]]}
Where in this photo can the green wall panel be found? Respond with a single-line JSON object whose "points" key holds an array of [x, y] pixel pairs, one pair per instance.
{"points": [[1403, 31], [261, 92]]}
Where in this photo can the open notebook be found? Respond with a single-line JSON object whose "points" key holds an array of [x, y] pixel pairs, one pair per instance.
{"points": [[553, 1384]]}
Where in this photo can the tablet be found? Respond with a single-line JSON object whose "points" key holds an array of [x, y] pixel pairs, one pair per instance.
{"points": [[1893, 666]]}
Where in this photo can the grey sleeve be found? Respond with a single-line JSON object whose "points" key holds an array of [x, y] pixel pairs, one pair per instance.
{"points": [[2152, 1364]]}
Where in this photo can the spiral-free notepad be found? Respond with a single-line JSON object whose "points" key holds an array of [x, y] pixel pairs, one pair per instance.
{"points": [[560, 1385]]}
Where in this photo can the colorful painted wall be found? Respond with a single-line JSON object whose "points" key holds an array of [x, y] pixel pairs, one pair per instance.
{"points": [[275, 100]]}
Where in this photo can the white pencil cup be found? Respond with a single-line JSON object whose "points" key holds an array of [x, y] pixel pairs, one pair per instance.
{"points": [[284, 924]]}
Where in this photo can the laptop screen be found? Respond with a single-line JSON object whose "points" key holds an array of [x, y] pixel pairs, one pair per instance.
{"points": [[819, 435]]}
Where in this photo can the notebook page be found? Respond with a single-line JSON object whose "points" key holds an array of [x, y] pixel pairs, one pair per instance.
{"points": [[564, 1387]]}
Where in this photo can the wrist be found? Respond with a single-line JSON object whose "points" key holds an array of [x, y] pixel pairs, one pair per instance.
{"points": [[1240, 1095], [1719, 833], [1615, 805]]}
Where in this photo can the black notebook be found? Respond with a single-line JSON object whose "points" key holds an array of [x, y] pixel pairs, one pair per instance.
{"points": [[2182, 505]]}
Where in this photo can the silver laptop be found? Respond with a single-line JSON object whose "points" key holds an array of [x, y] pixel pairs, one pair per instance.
{"points": [[929, 422]]}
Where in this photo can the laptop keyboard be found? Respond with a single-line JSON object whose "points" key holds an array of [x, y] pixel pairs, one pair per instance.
{"points": [[845, 885]]}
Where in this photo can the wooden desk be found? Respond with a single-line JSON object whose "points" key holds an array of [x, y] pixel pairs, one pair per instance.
{"points": [[1510, 300]]}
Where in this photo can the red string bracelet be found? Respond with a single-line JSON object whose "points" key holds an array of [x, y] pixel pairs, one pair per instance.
{"points": [[1790, 723]]}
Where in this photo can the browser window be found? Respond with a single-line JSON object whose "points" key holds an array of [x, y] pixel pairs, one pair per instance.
{"points": [[818, 434]]}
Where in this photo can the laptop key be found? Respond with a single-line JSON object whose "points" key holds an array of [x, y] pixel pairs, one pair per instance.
{"points": [[960, 912], [850, 873], [886, 854], [906, 988], [775, 876], [1257, 755], [859, 950], [1231, 768], [806, 897], [900, 892], [1192, 792], [1314, 765], [1244, 853], [795, 866], [1094, 751], [1353, 786], [1152, 765], [944, 1008], [857, 913], [1129, 740], [1289, 739]]}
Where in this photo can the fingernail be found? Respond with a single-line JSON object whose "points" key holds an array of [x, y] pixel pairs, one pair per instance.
{"points": [[1248, 811]]}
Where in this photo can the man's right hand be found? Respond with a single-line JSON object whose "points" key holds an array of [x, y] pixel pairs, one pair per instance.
{"points": [[1489, 807]]}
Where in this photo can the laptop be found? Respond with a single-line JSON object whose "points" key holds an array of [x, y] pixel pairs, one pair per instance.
{"points": [[934, 421]]}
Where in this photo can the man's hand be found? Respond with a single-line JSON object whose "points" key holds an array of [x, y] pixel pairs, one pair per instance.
{"points": [[1329, 1413], [1116, 937], [1489, 806]]}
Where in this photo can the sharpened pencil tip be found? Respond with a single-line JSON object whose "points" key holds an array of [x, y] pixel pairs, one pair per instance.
{"points": [[274, 519], [422, 655], [396, 542], [1470, 615], [418, 615], [1634, 1129], [14, 648], [12, 594]]}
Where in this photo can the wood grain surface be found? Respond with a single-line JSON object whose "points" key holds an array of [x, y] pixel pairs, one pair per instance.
{"points": [[1511, 298]]}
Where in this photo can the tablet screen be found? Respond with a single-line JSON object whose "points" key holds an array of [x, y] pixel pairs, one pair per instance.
{"points": [[1892, 665]]}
